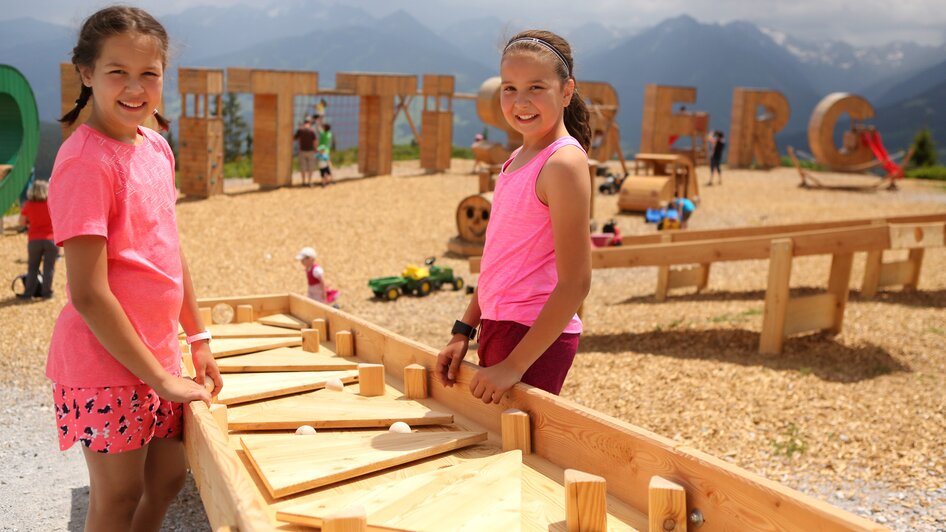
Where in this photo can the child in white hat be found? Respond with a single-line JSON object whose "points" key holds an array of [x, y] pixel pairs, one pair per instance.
{"points": [[315, 275]]}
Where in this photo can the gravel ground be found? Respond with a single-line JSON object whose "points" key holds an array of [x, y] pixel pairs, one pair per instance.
{"points": [[856, 420]]}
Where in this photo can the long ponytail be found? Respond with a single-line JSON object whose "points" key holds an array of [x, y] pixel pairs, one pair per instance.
{"points": [[577, 120]]}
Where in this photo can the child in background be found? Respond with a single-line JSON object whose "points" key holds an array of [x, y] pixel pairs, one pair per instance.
{"points": [[41, 248], [314, 274], [114, 356], [325, 165], [536, 265]]}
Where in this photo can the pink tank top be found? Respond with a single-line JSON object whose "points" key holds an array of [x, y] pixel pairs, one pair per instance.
{"points": [[517, 272]]}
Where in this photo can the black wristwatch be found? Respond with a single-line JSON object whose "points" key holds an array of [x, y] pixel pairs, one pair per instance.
{"points": [[462, 328]]}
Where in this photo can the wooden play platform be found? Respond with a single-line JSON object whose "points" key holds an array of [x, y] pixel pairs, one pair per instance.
{"points": [[684, 257], [534, 462]]}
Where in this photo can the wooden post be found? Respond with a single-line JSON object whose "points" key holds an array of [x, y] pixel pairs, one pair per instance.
{"points": [[351, 519], [704, 276], [666, 506], [311, 340], [219, 412], [320, 325], [586, 503], [206, 315], [663, 273], [776, 296], [515, 430], [415, 381], [371, 379], [344, 344], [916, 262], [872, 267], [838, 282], [244, 313]]}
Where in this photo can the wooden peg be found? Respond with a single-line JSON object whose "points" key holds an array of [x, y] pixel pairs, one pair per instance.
{"points": [[515, 429], [219, 412], [371, 379], [344, 344], [244, 313], [320, 325], [311, 340], [666, 505], [586, 503], [415, 381], [351, 519], [206, 316]]}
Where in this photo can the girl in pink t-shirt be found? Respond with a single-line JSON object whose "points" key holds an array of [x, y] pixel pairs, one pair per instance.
{"points": [[114, 357], [536, 266]]}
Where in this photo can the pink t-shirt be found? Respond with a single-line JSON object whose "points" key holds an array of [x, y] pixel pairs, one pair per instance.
{"points": [[125, 193], [517, 272]]}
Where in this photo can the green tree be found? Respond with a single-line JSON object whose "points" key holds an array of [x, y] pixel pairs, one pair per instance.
{"points": [[924, 150], [235, 128]]}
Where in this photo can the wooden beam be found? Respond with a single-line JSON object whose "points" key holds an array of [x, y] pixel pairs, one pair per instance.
{"points": [[371, 380], [808, 314], [311, 340], [415, 381], [516, 432], [776, 296], [872, 271], [916, 262], [838, 281], [666, 506], [586, 505]]}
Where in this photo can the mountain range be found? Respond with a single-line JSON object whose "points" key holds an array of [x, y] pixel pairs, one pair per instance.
{"points": [[905, 82]]}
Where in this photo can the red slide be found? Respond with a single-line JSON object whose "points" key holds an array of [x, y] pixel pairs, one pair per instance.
{"points": [[872, 139]]}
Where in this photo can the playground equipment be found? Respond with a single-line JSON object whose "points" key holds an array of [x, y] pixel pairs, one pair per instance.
{"points": [[752, 134], [273, 94], [671, 175], [661, 127], [808, 180], [420, 280], [695, 251], [70, 86], [200, 155], [472, 219], [436, 138], [19, 135], [552, 462], [602, 103]]}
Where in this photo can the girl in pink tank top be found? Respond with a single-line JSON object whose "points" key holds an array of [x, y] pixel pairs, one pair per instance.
{"points": [[536, 266]]}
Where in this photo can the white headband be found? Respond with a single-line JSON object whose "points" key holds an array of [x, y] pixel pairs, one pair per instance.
{"points": [[538, 41]]}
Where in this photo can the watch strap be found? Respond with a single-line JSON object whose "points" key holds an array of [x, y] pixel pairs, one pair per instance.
{"points": [[465, 329]]}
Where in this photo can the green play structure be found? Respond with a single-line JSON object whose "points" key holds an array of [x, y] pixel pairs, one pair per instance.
{"points": [[19, 135]]}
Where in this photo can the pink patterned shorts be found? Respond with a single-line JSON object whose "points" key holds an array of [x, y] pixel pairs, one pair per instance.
{"points": [[114, 419]]}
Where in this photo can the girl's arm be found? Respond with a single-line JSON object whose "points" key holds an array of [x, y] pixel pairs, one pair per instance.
{"points": [[204, 363], [449, 359], [563, 184], [87, 274]]}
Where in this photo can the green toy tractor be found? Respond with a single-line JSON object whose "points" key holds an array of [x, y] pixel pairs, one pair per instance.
{"points": [[420, 280]]}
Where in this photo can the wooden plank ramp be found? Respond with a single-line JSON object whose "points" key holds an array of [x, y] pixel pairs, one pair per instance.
{"points": [[227, 347], [617, 474], [323, 409], [284, 359], [246, 387]]}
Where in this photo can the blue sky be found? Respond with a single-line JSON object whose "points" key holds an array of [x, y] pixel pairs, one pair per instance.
{"points": [[859, 22]]}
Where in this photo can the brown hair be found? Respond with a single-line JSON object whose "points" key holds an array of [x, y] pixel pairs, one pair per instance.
{"points": [[106, 23], [576, 114], [38, 191]]}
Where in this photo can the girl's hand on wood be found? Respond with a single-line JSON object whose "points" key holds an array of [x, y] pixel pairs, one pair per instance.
{"points": [[205, 366], [490, 384], [181, 390], [449, 359]]}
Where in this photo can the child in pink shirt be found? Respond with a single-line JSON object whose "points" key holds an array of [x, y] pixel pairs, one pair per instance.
{"points": [[536, 266], [114, 356]]}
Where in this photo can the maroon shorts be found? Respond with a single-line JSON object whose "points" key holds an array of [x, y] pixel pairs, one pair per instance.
{"points": [[114, 419], [498, 339]]}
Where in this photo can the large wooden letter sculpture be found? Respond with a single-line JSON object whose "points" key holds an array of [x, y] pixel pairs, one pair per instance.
{"points": [[660, 123], [19, 142], [436, 126], [376, 115], [603, 108], [70, 86], [752, 135], [273, 94], [821, 131], [200, 158]]}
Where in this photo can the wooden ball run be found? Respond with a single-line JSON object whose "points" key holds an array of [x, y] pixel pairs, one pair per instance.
{"points": [[534, 462]]}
